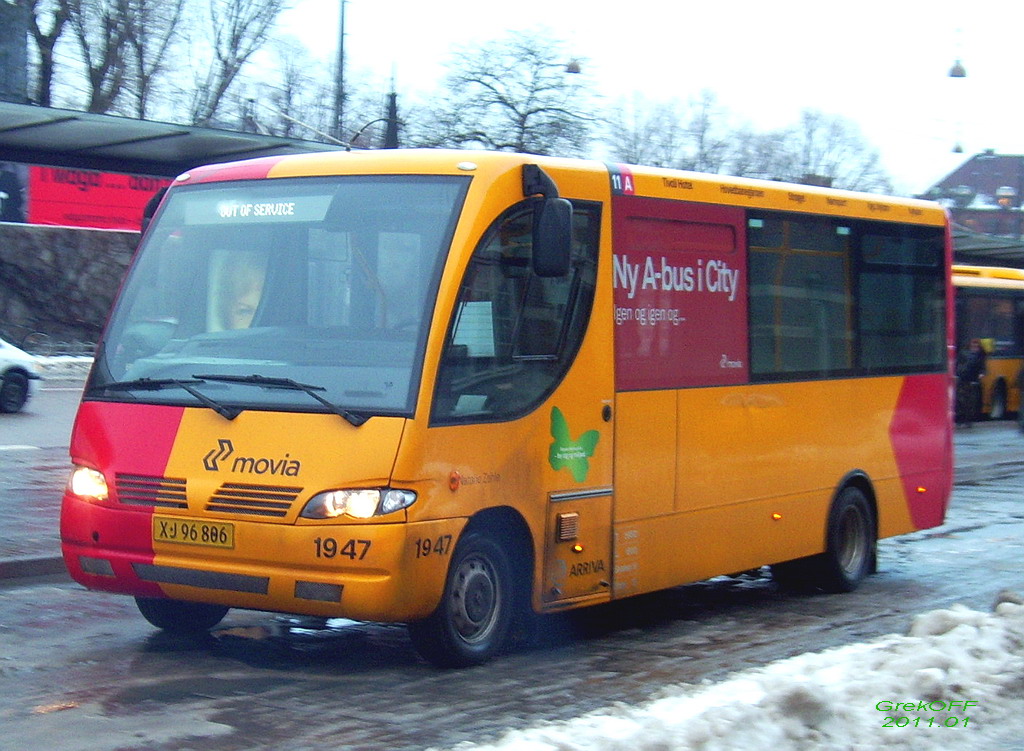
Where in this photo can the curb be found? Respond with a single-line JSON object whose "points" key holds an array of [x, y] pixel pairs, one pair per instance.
{"points": [[21, 568], [977, 472]]}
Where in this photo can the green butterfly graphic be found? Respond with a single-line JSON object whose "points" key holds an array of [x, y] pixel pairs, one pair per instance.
{"points": [[566, 452]]}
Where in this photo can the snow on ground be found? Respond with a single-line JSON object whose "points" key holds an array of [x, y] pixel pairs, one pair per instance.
{"points": [[956, 681], [64, 366]]}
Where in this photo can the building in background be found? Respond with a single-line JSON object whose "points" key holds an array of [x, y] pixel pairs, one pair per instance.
{"points": [[984, 197]]}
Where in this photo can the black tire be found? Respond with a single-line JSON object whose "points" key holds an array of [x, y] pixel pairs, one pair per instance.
{"points": [[850, 553], [180, 617], [968, 402], [13, 391], [849, 549], [472, 622], [997, 409]]}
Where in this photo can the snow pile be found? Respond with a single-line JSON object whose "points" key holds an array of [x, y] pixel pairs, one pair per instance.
{"points": [[838, 699], [64, 366]]}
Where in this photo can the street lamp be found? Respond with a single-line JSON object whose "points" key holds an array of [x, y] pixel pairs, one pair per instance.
{"points": [[339, 79], [958, 71]]}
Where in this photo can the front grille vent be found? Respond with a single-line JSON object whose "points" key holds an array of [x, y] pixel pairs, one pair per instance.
{"points": [[256, 500], [151, 490]]}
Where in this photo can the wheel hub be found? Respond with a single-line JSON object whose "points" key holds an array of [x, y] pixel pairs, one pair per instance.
{"points": [[475, 600]]}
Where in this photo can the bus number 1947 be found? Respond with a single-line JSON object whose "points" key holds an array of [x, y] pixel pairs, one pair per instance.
{"points": [[426, 546], [328, 547]]}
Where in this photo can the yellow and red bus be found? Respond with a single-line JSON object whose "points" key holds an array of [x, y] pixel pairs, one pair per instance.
{"points": [[461, 389], [990, 307]]}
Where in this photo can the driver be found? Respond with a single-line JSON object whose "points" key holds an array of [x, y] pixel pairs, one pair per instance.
{"points": [[241, 289]]}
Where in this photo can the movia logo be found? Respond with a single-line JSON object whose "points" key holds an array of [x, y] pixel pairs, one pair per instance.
{"points": [[251, 465], [212, 460], [567, 453]]}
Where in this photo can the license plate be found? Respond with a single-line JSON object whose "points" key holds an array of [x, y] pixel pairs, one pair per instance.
{"points": [[192, 532]]}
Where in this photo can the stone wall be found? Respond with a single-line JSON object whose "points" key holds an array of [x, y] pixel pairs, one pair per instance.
{"points": [[59, 281]]}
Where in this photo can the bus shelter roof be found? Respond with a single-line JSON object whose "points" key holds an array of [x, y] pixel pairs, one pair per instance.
{"points": [[987, 250], [31, 134]]}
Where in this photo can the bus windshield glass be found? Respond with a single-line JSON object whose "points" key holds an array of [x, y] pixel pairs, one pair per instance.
{"points": [[261, 286]]}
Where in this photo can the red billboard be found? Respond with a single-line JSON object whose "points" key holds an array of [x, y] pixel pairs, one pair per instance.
{"points": [[87, 198], [680, 290]]}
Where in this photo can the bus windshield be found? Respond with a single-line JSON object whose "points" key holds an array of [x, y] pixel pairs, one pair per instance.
{"points": [[307, 294]]}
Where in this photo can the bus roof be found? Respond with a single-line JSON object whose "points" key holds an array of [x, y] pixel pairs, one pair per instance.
{"points": [[653, 182], [992, 277]]}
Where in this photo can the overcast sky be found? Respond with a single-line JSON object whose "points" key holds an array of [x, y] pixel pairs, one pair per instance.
{"points": [[882, 63]]}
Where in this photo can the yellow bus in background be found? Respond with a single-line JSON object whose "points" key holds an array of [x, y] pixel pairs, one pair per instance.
{"points": [[460, 390], [990, 307]]}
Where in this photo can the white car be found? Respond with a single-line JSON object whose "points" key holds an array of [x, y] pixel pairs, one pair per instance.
{"points": [[19, 377]]}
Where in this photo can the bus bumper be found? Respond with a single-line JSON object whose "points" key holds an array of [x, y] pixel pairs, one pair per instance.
{"points": [[380, 572]]}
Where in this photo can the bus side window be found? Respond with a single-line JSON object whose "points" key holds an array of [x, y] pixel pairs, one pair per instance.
{"points": [[514, 334]]}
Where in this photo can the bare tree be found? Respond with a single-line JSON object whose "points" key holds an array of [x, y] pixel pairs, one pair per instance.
{"points": [[708, 136], [102, 29], [513, 94], [47, 21], [767, 156], [820, 149], [239, 28], [154, 29], [668, 134], [832, 147], [297, 102], [644, 132], [293, 107]]}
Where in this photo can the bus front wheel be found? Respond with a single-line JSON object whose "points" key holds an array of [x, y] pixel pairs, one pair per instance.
{"points": [[180, 617], [849, 555], [472, 622]]}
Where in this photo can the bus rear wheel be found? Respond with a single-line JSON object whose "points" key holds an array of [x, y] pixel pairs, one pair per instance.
{"points": [[472, 622], [180, 617], [849, 555], [997, 410]]}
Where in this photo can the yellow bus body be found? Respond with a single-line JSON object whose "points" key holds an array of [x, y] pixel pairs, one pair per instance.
{"points": [[611, 491], [990, 307]]}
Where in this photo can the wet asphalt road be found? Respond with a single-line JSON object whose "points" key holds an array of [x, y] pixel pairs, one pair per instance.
{"points": [[82, 671]]}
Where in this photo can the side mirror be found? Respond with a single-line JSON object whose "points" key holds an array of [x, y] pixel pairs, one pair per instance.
{"points": [[552, 237], [552, 224]]}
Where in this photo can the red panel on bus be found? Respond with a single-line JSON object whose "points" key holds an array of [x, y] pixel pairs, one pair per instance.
{"points": [[118, 439], [132, 438], [922, 440], [256, 169], [680, 287]]}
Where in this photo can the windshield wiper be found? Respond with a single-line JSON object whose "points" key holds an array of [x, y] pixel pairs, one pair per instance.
{"points": [[155, 384], [354, 418]]}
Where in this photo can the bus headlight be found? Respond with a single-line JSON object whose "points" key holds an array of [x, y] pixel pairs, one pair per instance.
{"points": [[360, 503], [88, 483]]}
